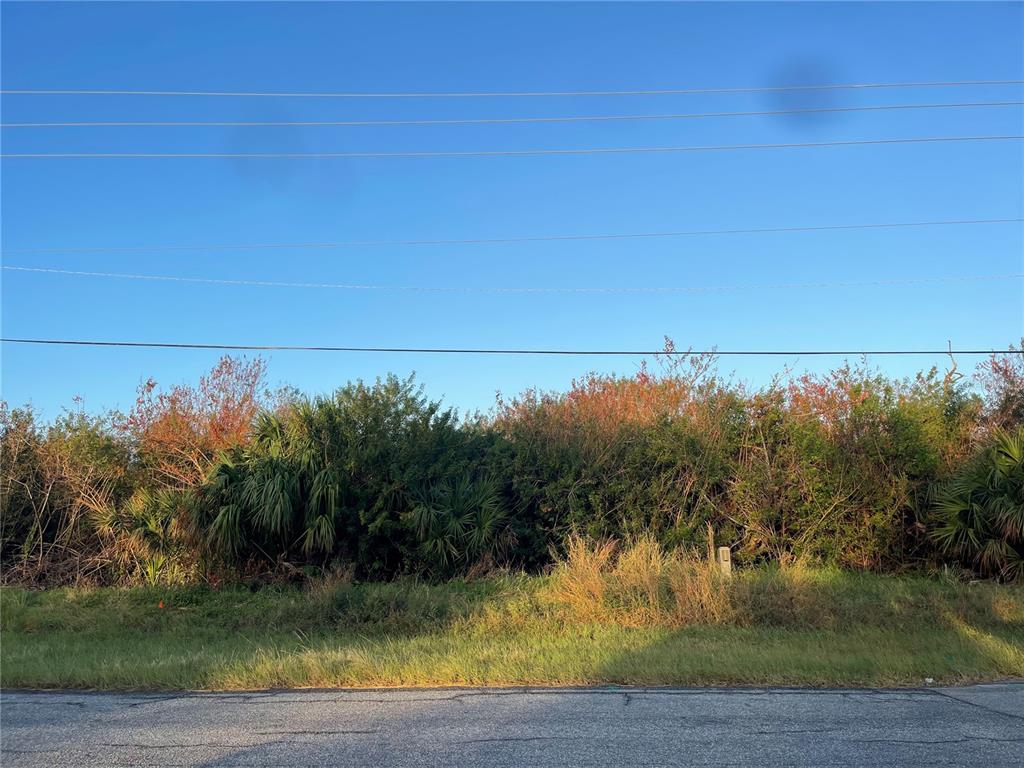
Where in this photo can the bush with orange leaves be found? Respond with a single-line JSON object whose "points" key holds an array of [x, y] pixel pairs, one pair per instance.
{"points": [[1001, 378], [613, 456], [834, 468], [179, 431], [837, 467], [101, 499]]}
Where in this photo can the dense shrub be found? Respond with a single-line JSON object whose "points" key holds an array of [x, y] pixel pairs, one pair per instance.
{"points": [[1001, 378], [223, 481], [614, 456], [56, 483], [104, 498], [376, 475], [178, 432], [980, 512], [836, 467]]}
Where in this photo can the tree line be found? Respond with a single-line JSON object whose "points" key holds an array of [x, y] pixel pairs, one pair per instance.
{"points": [[226, 480]]}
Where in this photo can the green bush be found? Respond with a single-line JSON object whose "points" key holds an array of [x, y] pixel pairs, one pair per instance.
{"points": [[380, 481], [57, 484], [360, 477], [979, 514]]}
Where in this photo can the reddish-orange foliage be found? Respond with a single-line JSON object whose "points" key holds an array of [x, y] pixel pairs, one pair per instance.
{"points": [[1002, 380], [829, 397], [181, 430], [608, 402]]}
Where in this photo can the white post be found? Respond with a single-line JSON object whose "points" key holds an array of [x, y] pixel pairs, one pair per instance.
{"points": [[725, 560]]}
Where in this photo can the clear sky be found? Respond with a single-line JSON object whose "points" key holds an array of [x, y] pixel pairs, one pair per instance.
{"points": [[93, 203]]}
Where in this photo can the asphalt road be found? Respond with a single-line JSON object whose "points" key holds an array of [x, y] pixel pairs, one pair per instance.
{"points": [[973, 726]]}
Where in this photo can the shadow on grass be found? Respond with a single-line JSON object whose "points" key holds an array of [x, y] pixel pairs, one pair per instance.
{"points": [[840, 629], [819, 629], [188, 638]]}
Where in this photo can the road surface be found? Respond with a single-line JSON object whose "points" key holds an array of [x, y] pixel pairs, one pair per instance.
{"points": [[973, 726]]}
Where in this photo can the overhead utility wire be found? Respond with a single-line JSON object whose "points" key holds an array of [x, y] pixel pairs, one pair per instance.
{"points": [[502, 94], [500, 289], [500, 153], [525, 239], [502, 120], [485, 351]]}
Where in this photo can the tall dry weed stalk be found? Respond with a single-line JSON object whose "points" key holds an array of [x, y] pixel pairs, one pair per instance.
{"points": [[641, 584]]}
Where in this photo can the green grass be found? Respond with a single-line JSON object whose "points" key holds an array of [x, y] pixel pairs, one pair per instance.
{"points": [[821, 628]]}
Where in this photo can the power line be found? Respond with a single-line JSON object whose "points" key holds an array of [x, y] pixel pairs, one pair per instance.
{"points": [[514, 94], [503, 120], [486, 351], [497, 289], [498, 153], [524, 239]]}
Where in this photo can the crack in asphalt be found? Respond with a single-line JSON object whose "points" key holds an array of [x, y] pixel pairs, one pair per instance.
{"points": [[960, 740], [202, 744], [313, 733], [982, 707], [345, 697], [783, 732], [761, 719], [192, 745], [342, 695], [156, 700]]}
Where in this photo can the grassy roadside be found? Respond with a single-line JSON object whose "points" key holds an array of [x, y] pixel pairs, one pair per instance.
{"points": [[812, 628]]}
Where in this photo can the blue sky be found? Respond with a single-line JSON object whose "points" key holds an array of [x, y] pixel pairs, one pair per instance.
{"points": [[498, 47]]}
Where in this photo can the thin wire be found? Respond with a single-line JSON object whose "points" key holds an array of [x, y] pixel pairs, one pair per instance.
{"points": [[497, 289], [516, 94], [526, 239], [506, 120], [484, 351], [499, 153]]}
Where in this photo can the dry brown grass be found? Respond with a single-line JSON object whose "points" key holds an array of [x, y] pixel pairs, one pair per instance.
{"points": [[641, 584], [580, 581]]}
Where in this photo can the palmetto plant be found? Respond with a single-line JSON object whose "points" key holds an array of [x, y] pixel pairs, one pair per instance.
{"points": [[979, 514], [338, 477], [142, 537], [458, 522], [282, 490]]}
